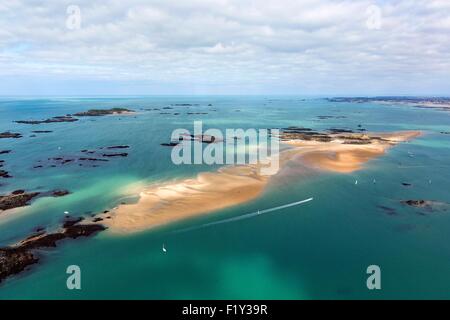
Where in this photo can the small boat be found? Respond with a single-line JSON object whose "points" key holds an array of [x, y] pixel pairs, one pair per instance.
{"points": [[164, 248], [356, 182]]}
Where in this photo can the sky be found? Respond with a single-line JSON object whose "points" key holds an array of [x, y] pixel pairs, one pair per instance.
{"points": [[303, 47]]}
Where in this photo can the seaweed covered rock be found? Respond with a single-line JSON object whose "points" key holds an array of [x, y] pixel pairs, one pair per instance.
{"points": [[102, 112]]}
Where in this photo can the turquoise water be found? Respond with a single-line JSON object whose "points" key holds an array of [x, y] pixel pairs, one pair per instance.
{"points": [[319, 250]]}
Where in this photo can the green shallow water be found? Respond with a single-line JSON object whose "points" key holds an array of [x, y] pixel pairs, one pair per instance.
{"points": [[317, 250]]}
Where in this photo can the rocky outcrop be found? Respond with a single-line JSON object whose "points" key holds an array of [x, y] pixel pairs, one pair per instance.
{"points": [[16, 199], [4, 174], [102, 112], [60, 193], [21, 198], [307, 134], [86, 158], [118, 147], [57, 119], [345, 136], [17, 258], [109, 155], [14, 261], [8, 134], [427, 206], [417, 203], [170, 144]]}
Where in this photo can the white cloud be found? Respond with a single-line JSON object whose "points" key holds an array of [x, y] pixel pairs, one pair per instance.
{"points": [[274, 46]]}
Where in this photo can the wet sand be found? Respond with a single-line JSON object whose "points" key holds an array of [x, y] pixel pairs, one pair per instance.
{"points": [[164, 203]]}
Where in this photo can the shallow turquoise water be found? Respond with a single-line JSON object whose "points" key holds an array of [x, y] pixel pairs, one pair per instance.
{"points": [[318, 250]]}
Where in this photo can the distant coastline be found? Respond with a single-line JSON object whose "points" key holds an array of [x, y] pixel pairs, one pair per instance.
{"points": [[440, 103]]}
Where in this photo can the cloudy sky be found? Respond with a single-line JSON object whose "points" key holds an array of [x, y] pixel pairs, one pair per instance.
{"points": [[305, 47]]}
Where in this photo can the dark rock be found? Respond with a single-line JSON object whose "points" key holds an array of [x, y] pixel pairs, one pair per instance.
{"points": [[4, 174], [115, 154], [21, 198], [7, 134], [416, 203], [16, 200], [338, 130], [170, 144], [406, 184], [118, 147], [324, 117], [72, 221], [14, 261], [60, 193], [57, 119], [307, 135], [102, 112], [93, 159]]}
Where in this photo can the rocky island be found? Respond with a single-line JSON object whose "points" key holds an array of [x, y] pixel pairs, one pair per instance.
{"points": [[16, 258], [8, 134], [103, 112], [20, 198]]}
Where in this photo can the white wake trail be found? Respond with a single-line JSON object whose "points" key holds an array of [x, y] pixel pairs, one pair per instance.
{"points": [[245, 216]]}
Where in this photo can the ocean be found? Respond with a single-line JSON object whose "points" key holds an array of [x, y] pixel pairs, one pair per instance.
{"points": [[319, 250]]}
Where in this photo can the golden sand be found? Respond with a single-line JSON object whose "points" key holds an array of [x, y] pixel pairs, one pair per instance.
{"points": [[232, 185]]}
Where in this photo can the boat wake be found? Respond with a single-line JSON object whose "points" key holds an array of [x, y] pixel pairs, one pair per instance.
{"points": [[245, 216]]}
